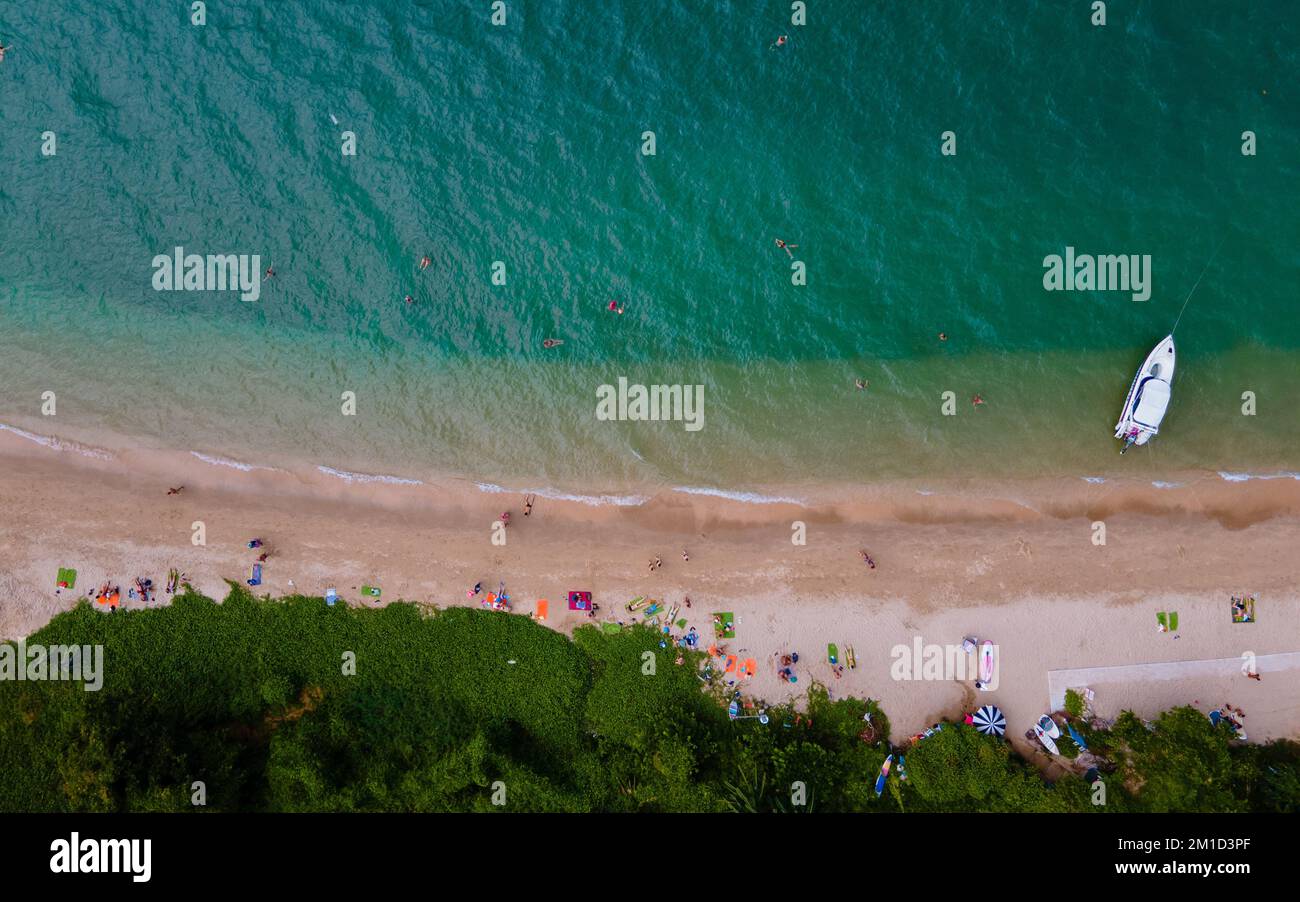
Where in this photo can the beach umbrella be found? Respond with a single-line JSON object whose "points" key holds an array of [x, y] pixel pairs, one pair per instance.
{"points": [[989, 720]]}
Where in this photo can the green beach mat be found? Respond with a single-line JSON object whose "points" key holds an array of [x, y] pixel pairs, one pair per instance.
{"points": [[720, 620], [1173, 621], [372, 591], [681, 624], [832, 653], [1160, 619], [66, 575]]}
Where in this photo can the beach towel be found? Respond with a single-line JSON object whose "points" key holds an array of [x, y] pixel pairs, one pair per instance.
{"points": [[724, 625], [256, 578], [543, 608], [67, 578], [372, 591], [579, 601], [750, 667], [331, 596], [1173, 621], [731, 664], [1243, 607]]}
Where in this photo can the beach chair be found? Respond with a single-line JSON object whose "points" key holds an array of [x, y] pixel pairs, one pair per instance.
{"points": [[331, 596], [256, 578]]}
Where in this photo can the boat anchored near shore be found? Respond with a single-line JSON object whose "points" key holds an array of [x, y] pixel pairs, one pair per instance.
{"points": [[1148, 396]]}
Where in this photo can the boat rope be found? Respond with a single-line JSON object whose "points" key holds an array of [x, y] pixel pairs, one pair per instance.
{"points": [[1197, 282]]}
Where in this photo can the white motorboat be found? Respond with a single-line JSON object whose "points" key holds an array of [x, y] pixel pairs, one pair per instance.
{"points": [[1148, 396]]}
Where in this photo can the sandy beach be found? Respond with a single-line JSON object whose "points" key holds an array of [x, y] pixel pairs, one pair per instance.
{"points": [[1013, 563]]}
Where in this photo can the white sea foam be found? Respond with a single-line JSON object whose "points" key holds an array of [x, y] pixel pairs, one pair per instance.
{"points": [[552, 494], [367, 477], [1095, 480], [1243, 477], [227, 462], [1166, 485], [746, 497], [55, 444]]}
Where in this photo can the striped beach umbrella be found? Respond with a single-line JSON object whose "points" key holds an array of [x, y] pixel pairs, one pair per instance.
{"points": [[989, 720]]}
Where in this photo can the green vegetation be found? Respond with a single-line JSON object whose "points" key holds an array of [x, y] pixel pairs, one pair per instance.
{"points": [[1073, 703], [296, 706]]}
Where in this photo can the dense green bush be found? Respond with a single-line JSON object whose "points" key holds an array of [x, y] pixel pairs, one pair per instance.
{"points": [[296, 706]]}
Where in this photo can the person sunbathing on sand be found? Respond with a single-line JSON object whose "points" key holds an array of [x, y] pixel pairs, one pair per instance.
{"points": [[175, 491]]}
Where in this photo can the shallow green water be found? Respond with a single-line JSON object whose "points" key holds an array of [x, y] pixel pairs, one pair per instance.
{"points": [[522, 144]]}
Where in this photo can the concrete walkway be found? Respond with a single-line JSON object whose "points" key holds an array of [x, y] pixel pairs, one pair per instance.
{"points": [[1060, 680]]}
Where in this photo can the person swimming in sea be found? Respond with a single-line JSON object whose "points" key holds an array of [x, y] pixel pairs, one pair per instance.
{"points": [[977, 401], [424, 263], [2, 51], [779, 42], [552, 343], [861, 383], [409, 299], [943, 336], [615, 307], [786, 247]]}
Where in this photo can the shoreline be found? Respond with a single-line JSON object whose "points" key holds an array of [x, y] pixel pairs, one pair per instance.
{"points": [[1014, 562]]}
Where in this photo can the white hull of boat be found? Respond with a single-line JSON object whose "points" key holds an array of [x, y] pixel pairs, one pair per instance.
{"points": [[1148, 396]]}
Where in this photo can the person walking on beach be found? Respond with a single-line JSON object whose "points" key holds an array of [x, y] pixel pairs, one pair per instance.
{"points": [[685, 556], [505, 518], [786, 247], [866, 559]]}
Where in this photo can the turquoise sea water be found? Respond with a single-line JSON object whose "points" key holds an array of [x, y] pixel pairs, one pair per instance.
{"points": [[522, 144]]}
